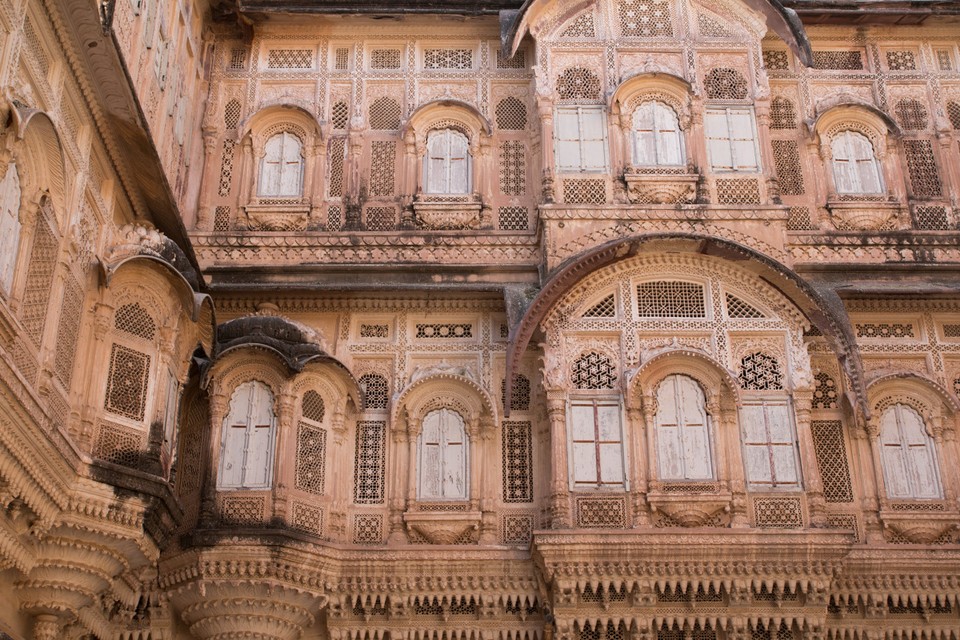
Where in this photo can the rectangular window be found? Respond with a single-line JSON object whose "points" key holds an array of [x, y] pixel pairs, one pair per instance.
{"points": [[580, 139], [596, 444], [732, 139], [369, 469], [769, 445]]}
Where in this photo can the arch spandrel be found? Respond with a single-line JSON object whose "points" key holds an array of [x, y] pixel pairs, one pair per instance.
{"points": [[821, 308]]}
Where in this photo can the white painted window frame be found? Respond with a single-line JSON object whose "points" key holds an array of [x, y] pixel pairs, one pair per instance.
{"points": [[577, 138], [421, 468], [249, 427], [599, 485], [905, 452], [682, 436], [768, 445], [727, 136]]}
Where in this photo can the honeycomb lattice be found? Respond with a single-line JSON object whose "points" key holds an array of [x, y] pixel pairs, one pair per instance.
{"points": [[912, 115], [380, 218], [645, 18], [307, 518], [584, 191], [127, 380], [582, 27], [518, 61], [339, 116], [516, 529], [136, 321], [341, 59], [443, 331], [786, 158], [825, 394], [901, 61], [368, 471], [601, 513], [932, 219], [375, 391], [513, 219], [221, 218], [290, 59], [738, 191], [953, 113], [520, 399], [838, 60], [593, 371], [517, 461], [725, 84], [336, 155], [832, 459], [454, 59], [383, 160], [226, 168], [605, 308], [776, 60], [760, 372], [670, 299], [778, 513], [368, 528], [513, 168], [119, 445], [737, 308], [386, 59], [885, 330], [231, 114], [242, 510], [799, 219], [511, 114], [578, 83], [783, 114], [922, 168], [384, 114], [39, 281], [71, 311]]}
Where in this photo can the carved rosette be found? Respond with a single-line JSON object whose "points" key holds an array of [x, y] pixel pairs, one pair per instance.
{"points": [[661, 189]]}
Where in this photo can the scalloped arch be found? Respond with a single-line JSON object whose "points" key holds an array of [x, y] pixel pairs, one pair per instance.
{"points": [[911, 385], [428, 114], [703, 368], [419, 396]]}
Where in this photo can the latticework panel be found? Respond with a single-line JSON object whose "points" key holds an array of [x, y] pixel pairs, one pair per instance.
{"points": [[368, 473], [670, 299], [884, 330], [511, 114], [383, 160], [290, 59], [953, 113], [783, 113], [776, 60], [311, 459], [786, 158], [845, 522], [518, 61], [605, 308], [911, 114], [71, 312], [336, 159], [453, 59], [582, 27], [375, 330], [520, 400], [127, 381], [737, 308], [593, 371], [831, 455], [375, 390], [241, 510], [644, 18], [119, 445], [601, 513], [922, 168], [380, 218], [341, 59], [307, 518], [931, 219], [901, 60], [513, 218], [334, 217], [516, 528], [443, 331], [237, 60], [517, 461], [312, 407], [778, 513], [136, 321], [838, 60], [367, 528], [339, 116], [231, 114], [36, 293], [725, 84], [799, 219], [578, 83], [760, 372], [386, 59], [584, 191], [226, 168], [385, 114], [825, 393], [738, 191], [221, 218], [513, 168]]}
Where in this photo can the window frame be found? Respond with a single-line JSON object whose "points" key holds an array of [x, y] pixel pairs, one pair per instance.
{"points": [[282, 164], [465, 455], [768, 443], [854, 165], [580, 110], [11, 231], [709, 136], [598, 485], [682, 428], [929, 446], [658, 134], [249, 428], [447, 160]]}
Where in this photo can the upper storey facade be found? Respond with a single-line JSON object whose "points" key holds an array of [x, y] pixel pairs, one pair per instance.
{"points": [[626, 116]]}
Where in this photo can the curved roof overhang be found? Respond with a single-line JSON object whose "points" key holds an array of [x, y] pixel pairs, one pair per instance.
{"points": [[781, 20], [823, 308]]}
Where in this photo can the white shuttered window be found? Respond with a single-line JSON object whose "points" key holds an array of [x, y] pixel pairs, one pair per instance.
{"points": [[442, 461], [580, 139], [682, 431], [657, 139], [909, 457], [447, 165], [246, 454], [596, 444], [281, 170], [855, 166], [9, 226], [769, 444], [732, 139]]}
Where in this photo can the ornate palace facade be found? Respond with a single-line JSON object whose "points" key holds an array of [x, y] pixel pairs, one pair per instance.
{"points": [[574, 320]]}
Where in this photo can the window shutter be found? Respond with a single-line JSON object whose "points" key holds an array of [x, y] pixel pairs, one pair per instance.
{"points": [[567, 140], [610, 445], [669, 143], [743, 140], [459, 167], [779, 426], [9, 226], [697, 458], [718, 141], [920, 455], [683, 442], [645, 143], [454, 467], [271, 167], [593, 140], [259, 454], [430, 457], [437, 162], [231, 458], [756, 455], [894, 460], [291, 172], [584, 444]]}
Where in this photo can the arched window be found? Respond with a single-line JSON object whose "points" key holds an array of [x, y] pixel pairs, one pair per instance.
{"points": [[682, 431], [246, 453], [855, 166], [657, 140], [909, 457], [442, 463], [9, 226], [281, 170], [447, 165]]}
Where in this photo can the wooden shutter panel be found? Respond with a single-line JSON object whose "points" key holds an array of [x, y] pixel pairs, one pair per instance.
{"points": [[610, 445], [756, 456], [593, 139], [718, 141], [784, 454], [430, 457], [920, 455], [584, 444], [454, 459], [743, 140], [567, 140], [459, 181], [235, 438], [9, 226], [291, 172], [259, 454], [668, 138], [892, 454], [644, 140], [697, 458], [271, 166]]}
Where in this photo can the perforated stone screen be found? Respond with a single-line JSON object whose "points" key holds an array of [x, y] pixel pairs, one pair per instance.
{"points": [[831, 455], [511, 114], [670, 299], [593, 371], [644, 18], [127, 380], [311, 459], [517, 461], [368, 473]]}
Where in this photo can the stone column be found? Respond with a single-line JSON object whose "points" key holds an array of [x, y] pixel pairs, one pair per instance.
{"points": [[948, 463], [284, 454], [730, 460], [248, 173], [816, 504], [545, 113], [640, 464], [487, 178], [46, 627], [559, 491], [398, 482], [762, 111], [209, 182], [869, 449], [210, 463]]}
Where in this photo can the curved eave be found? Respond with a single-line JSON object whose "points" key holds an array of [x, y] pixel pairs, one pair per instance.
{"points": [[109, 269], [827, 315]]}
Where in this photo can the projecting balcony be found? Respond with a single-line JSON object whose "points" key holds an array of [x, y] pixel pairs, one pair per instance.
{"points": [[449, 212], [661, 185]]}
